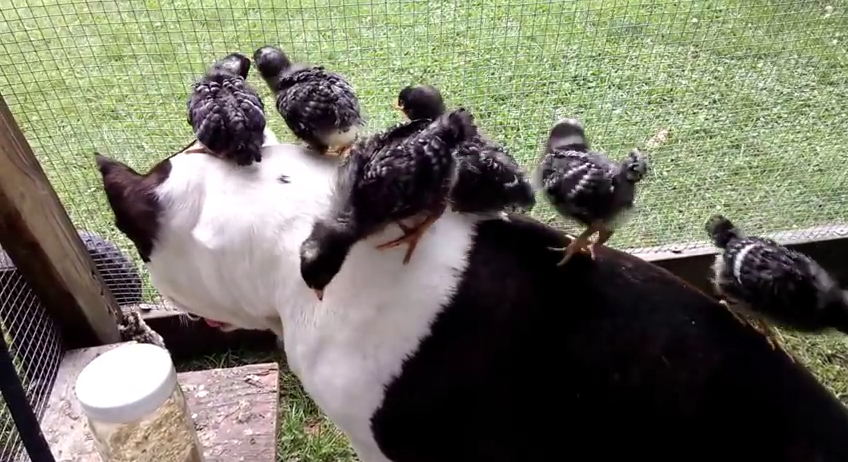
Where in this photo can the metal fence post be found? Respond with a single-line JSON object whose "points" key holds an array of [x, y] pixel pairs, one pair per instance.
{"points": [[20, 409]]}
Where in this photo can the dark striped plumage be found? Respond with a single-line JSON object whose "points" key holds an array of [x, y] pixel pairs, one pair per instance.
{"points": [[489, 179], [586, 185], [376, 186], [390, 137], [227, 115], [770, 281], [320, 107]]}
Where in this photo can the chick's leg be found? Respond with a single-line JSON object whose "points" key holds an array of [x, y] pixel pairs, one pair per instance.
{"points": [[339, 151], [341, 147], [604, 234], [770, 334], [336, 151], [739, 317], [581, 243], [411, 235], [757, 323], [196, 148]]}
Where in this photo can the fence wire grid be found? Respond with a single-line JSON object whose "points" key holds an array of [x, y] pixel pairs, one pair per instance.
{"points": [[36, 348], [750, 93]]}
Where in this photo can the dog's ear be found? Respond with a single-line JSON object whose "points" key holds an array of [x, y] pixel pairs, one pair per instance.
{"points": [[115, 173], [133, 199], [120, 182]]}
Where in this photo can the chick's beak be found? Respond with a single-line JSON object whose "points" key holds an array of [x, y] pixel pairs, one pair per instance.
{"points": [[320, 294], [398, 106]]}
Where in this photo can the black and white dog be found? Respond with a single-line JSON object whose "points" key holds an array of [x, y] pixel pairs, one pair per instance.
{"points": [[481, 349]]}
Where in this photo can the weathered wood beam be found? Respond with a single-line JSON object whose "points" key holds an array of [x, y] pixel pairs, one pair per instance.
{"points": [[828, 245], [36, 232]]}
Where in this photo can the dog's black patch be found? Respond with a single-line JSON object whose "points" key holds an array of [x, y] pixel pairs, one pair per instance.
{"points": [[610, 359]]}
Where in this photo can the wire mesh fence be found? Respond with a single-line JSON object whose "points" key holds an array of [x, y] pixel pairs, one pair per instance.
{"points": [[751, 94], [36, 349]]}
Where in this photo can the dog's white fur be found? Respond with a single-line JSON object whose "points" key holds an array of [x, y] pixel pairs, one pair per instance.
{"points": [[228, 250]]}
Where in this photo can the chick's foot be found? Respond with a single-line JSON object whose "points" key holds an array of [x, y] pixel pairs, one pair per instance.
{"points": [[580, 244], [411, 236]]}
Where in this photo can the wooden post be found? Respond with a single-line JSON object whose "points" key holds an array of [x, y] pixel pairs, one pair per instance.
{"points": [[36, 232]]}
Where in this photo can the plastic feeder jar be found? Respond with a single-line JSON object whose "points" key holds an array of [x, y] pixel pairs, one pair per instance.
{"points": [[135, 408]]}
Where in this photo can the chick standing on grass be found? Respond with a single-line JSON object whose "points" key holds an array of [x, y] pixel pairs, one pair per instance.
{"points": [[766, 280], [227, 115], [489, 180], [320, 107], [586, 185], [376, 188]]}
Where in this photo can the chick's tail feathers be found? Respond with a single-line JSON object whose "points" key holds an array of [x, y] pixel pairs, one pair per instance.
{"points": [[227, 116], [722, 231]]}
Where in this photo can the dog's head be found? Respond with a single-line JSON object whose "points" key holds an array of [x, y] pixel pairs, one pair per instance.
{"points": [[216, 238], [132, 197]]}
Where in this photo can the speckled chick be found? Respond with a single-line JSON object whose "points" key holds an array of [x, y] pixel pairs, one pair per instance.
{"points": [[587, 186], [376, 186], [226, 113], [490, 181], [133, 328], [320, 107], [772, 283]]}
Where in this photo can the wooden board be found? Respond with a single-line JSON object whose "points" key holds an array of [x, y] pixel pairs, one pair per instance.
{"points": [[235, 411], [40, 239]]}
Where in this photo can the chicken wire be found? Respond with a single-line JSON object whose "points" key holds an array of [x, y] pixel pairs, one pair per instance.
{"points": [[36, 348], [739, 104]]}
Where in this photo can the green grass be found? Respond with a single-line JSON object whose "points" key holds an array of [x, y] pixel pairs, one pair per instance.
{"points": [[752, 90]]}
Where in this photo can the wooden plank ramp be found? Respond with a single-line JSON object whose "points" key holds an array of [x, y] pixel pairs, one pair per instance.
{"points": [[235, 411]]}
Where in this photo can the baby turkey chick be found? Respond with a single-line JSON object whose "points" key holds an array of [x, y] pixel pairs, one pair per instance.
{"points": [[489, 179], [770, 282], [227, 115], [320, 107], [133, 327], [586, 185], [377, 185]]}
